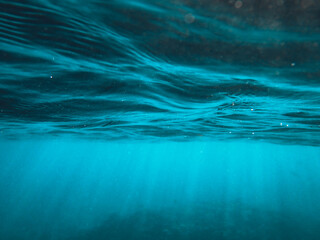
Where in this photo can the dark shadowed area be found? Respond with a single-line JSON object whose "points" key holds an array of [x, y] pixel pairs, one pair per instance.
{"points": [[152, 70]]}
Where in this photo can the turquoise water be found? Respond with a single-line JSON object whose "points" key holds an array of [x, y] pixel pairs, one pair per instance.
{"points": [[69, 189], [169, 119]]}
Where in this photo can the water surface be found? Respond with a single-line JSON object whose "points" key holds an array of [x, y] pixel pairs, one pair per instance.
{"points": [[174, 70], [159, 120]]}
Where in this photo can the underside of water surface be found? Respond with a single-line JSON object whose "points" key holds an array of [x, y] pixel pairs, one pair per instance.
{"points": [[174, 70], [160, 120]]}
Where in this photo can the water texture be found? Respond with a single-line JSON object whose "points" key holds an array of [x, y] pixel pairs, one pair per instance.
{"points": [[172, 69], [159, 120]]}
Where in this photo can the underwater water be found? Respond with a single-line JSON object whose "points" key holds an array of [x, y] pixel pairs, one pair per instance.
{"points": [[149, 119]]}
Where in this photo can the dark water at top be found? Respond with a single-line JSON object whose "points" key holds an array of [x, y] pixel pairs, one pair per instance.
{"points": [[172, 69]]}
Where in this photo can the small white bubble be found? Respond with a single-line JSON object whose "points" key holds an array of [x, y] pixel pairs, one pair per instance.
{"points": [[251, 109], [252, 133], [51, 76], [280, 124], [293, 64], [238, 4], [189, 18], [287, 125]]}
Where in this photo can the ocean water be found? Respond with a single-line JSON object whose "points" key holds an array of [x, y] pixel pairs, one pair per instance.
{"points": [[149, 119]]}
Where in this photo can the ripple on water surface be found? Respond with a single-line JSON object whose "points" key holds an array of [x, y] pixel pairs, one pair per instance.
{"points": [[175, 70]]}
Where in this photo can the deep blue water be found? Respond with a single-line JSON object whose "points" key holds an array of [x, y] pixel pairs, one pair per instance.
{"points": [[149, 119]]}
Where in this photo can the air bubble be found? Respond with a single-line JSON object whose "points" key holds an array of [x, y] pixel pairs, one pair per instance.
{"points": [[238, 4], [189, 18]]}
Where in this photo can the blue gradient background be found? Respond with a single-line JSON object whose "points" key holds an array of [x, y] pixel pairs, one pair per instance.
{"points": [[71, 189], [159, 120]]}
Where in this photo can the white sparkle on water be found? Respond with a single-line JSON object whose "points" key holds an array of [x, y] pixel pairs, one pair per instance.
{"points": [[238, 4], [189, 18]]}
